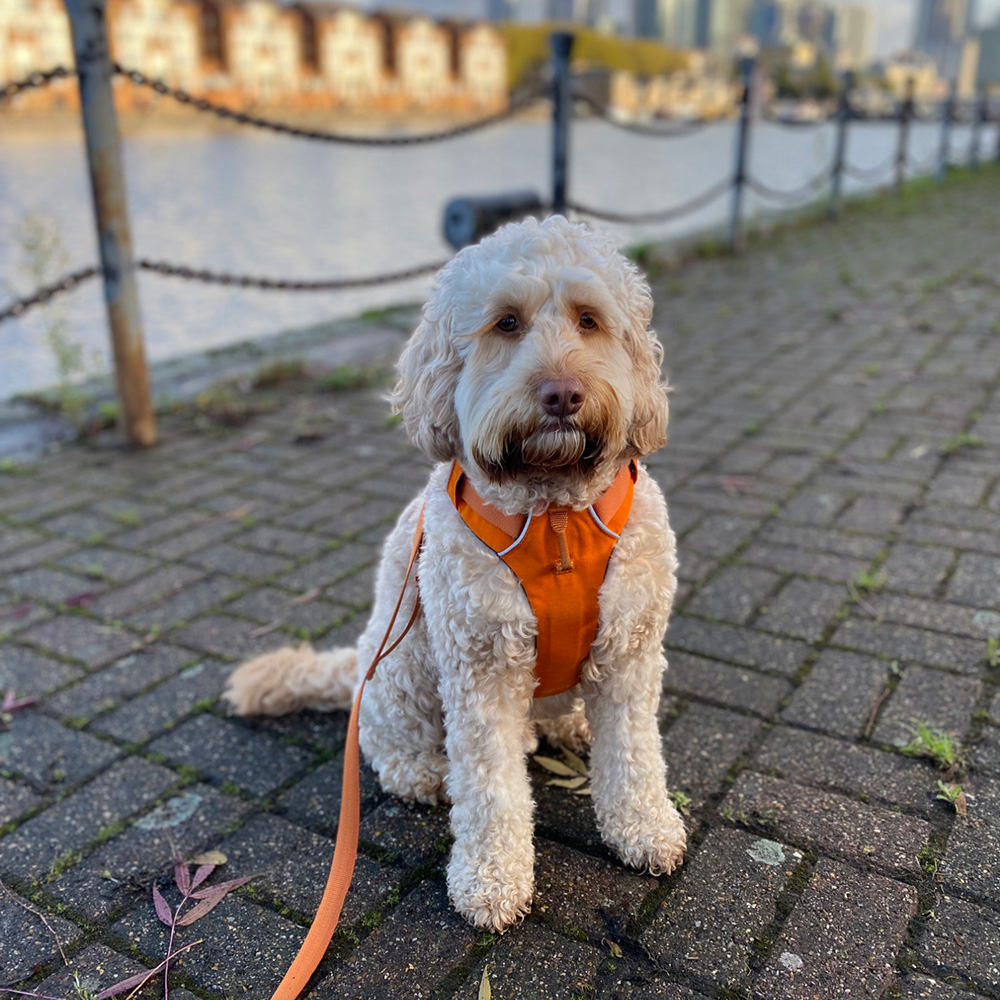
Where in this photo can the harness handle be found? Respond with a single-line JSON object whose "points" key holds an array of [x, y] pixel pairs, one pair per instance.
{"points": [[345, 852]]}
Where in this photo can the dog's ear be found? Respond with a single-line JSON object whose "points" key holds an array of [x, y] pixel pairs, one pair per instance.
{"points": [[424, 394], [648, 431]]}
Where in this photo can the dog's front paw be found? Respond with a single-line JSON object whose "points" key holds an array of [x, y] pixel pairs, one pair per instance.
{"points": [[654, 847], [492, 893]]}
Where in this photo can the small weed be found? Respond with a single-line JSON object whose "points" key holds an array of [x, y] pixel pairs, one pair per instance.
{"points": [[879, 406], [958, 441], [928, 860], [935, 745], [869, 581], [993, 652], [682, 802], [130, 518], [224, 404], [95, 538], [279, 372], [81, 990], [874, 368], [63, 863], [11, 468], [751, 428], [952, 793], [393, 420], [352, 377], [94, 570]]}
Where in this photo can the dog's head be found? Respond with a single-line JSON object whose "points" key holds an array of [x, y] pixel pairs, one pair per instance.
{"points": [[534, 361]]}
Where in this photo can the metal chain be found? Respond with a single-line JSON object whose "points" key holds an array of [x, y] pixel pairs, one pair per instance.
{"points": [[869, 173], [651, 131], [40, 78], [284, 284], [320, 135], [801, 126], [665, 215], [795, 194], [20, 306]]}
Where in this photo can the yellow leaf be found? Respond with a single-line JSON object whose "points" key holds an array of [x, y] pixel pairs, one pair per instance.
{"points": [[613, 947], [556, 767], [575, 762], [582, 791], [485, 993], [210, 858], [567, 782]]}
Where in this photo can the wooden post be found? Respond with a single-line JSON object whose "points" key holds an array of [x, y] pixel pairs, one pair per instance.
{"points": [[838, 157], [739, 179], [561, 44], [107, 183], [905, 114]]}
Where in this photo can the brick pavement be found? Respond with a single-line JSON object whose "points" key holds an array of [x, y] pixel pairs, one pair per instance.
{"points": [[833, 474]]}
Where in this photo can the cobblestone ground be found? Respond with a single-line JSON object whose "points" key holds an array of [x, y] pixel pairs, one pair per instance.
{"points": [[833, 475]]}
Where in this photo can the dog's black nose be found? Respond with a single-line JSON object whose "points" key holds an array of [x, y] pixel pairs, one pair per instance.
{"points": [[561, 397]]}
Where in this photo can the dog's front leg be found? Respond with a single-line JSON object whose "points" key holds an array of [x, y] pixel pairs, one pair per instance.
{"points": [[634, 811], [491, 870]]}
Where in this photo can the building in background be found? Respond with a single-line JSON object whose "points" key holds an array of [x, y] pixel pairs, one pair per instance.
{"points": [[34, 34], [940, 31], [988, 72], [855, 36]]}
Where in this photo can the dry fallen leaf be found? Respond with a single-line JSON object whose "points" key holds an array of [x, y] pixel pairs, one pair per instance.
{"points": [[485, 992], [209, 858], [568, 782], [556, 767]]}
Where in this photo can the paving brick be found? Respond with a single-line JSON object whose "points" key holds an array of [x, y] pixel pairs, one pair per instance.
{"points": [[726, 895], [821, 540], [271, 606], [140, 594], [125, 678], [839, 693], [315, 800], [936, 616], [28, 673], [406, 833], [956, 538], [292, 864], [120, 873], [81, 639], [16, 615], [971, 860], [816, 507], [702, 746], [734, 594], [329, 567], [976, 581], [75, 821], [985, 753], [25, 941], [51, 756], [149, 713], [941, 701], [630, 984], [99, 563], [228, 751], [733, 686], [52, 585], [952, 488], [963, 940], [95, 969], [809, 759], [407, 955], [842, 937], [829, 822], [16, 798], [873, 515], [227, 636], [917, 569], [741, 646], [282, 541], [790, 559], [718, 535], [186, 603], [141, 537], [925, 988], [245, 952], [576, 893], [240, 562], [537, 963], [80, 524], [902, 643], [804, 609]]}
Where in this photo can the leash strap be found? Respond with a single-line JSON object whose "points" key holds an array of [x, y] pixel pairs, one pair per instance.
{"points": [[346, 850]]}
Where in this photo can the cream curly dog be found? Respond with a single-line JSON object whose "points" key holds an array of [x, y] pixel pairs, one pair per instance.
{"points": [[533, 378]]}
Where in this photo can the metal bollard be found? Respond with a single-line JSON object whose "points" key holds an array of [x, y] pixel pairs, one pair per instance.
{"points": [[843, 117], [947, 117], [979, 112], [561, 44], [107, 183], [742, 141], [905, 114], [468, 220]]}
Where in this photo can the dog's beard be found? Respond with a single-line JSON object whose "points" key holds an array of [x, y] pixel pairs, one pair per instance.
{"points": [[566, 449]]}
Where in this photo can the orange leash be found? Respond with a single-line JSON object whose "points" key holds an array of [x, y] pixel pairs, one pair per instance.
{"points": [[346, 851]]}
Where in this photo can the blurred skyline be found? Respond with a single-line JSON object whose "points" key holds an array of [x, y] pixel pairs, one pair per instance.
{"points": [[894, 19]]}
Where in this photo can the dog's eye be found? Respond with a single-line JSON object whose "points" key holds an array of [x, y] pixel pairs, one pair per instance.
{"points": [[587, 322], [508, 324]]}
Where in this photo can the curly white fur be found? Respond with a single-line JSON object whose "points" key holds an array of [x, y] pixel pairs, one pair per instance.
{"points": [[449, 716]]}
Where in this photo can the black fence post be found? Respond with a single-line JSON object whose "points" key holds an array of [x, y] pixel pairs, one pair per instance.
{"points": [[847, 85], [979, 110], [947, 117], [905, 114], [107, 183], [742, 141], [561, 44]]}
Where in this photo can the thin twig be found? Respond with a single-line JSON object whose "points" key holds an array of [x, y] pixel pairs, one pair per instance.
{"points": [[162, 965], [41, 916]]}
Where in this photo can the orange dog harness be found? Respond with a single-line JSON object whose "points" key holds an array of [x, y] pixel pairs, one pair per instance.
{"points": [[560, 558]]}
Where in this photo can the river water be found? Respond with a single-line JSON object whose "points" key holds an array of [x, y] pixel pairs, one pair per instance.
{"points": [[256, 203]]}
